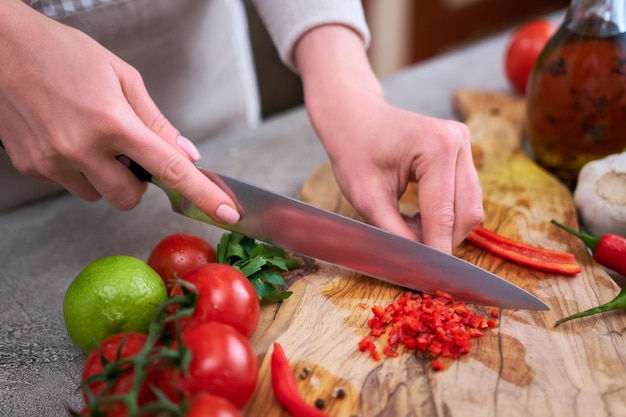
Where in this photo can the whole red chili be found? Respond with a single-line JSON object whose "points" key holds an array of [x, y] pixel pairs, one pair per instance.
{"points": [[285, 388], [609, 249], [521, 253]]}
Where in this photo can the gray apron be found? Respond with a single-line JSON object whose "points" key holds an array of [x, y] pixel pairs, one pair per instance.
{"points": [[194, 57]]}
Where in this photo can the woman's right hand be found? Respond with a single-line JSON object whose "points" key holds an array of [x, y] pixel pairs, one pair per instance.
{"points": [[69, 107]]}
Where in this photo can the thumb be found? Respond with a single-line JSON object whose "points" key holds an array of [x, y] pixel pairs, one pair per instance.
{"points": [[390, 219], [384, 213]]}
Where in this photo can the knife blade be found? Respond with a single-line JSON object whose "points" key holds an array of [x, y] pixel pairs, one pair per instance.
{"points": [[321, 234]]}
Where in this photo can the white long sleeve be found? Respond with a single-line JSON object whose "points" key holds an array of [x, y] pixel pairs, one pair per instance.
{"points": [[288, 20]]}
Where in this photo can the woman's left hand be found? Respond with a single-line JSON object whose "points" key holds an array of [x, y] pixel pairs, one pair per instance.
{"points": [[376, 149]]}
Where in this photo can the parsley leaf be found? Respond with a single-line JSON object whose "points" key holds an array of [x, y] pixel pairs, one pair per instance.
{"points": [[260, 262]]}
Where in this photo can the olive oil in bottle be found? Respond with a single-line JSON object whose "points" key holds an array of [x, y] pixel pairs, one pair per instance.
{"points": [[576, 97]]}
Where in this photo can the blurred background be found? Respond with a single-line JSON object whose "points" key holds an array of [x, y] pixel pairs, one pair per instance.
{"points": [[404, 32]]}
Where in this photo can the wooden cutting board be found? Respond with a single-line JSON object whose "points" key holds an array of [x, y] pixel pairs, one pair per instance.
{"points": [[524, 367]]}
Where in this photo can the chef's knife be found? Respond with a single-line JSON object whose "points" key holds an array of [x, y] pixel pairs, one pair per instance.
{"points": [[305, 229], [339, 240]]}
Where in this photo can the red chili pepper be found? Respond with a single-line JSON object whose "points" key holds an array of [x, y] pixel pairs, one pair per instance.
{"points": [[609, 249], [521, 253], [285, 388]]}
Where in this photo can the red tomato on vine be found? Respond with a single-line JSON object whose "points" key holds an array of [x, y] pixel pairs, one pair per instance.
{"points": [[210, 405], [225, 295], [118, 346], [223, 363], [177, 254]]}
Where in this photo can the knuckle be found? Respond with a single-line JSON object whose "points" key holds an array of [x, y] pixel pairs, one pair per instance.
{"points": [[446, 215], [111, 123], [474, 216], [452, 135], [24, 166], [43, 164], [175, 172], [133, 75], [442, 214], [162, 126]]}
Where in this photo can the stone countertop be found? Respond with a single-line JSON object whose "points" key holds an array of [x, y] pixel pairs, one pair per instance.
{"points": [[44, 245]]}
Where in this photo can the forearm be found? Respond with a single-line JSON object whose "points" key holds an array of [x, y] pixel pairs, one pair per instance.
{"points": [[336, 73]]}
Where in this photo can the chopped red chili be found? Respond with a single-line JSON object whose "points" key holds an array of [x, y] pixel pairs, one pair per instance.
{"points": [[435, 324], [524, 254], [367, 344], [437, 365], [389, 351]]}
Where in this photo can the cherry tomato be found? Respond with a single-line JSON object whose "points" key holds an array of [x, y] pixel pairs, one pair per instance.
{"points": [[132, 345], [118, 346], [223, 363], [177, 254], [210, 405], [111, 409], [225, 295], [525, 45]]}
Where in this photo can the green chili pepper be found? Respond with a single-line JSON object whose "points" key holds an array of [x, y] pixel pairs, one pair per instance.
{"points": [[617, 303]]}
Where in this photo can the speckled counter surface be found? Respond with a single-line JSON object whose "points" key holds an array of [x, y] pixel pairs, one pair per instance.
{"points": [[45, 244]]}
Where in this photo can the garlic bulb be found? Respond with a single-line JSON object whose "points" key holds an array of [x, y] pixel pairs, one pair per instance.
{"points": [[600, 195]]}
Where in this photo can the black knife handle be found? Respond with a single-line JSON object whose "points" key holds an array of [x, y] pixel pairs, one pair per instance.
{"points": [[135, 168]]}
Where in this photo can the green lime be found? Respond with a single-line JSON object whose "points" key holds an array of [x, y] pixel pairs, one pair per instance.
{"points": [[111, 295]]}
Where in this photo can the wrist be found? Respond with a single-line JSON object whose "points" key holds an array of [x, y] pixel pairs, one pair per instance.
{"points": [[334, 55], [336, 73]]}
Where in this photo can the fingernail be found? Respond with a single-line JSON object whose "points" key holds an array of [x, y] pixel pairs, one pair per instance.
{"points": [[227, 214], [189, 148]]}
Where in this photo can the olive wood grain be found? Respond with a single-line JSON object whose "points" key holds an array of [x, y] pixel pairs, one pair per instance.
{"points": [[525, 367]]}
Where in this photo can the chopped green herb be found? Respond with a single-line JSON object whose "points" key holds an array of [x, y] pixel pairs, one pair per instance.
{"points": [[260, 262]]}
